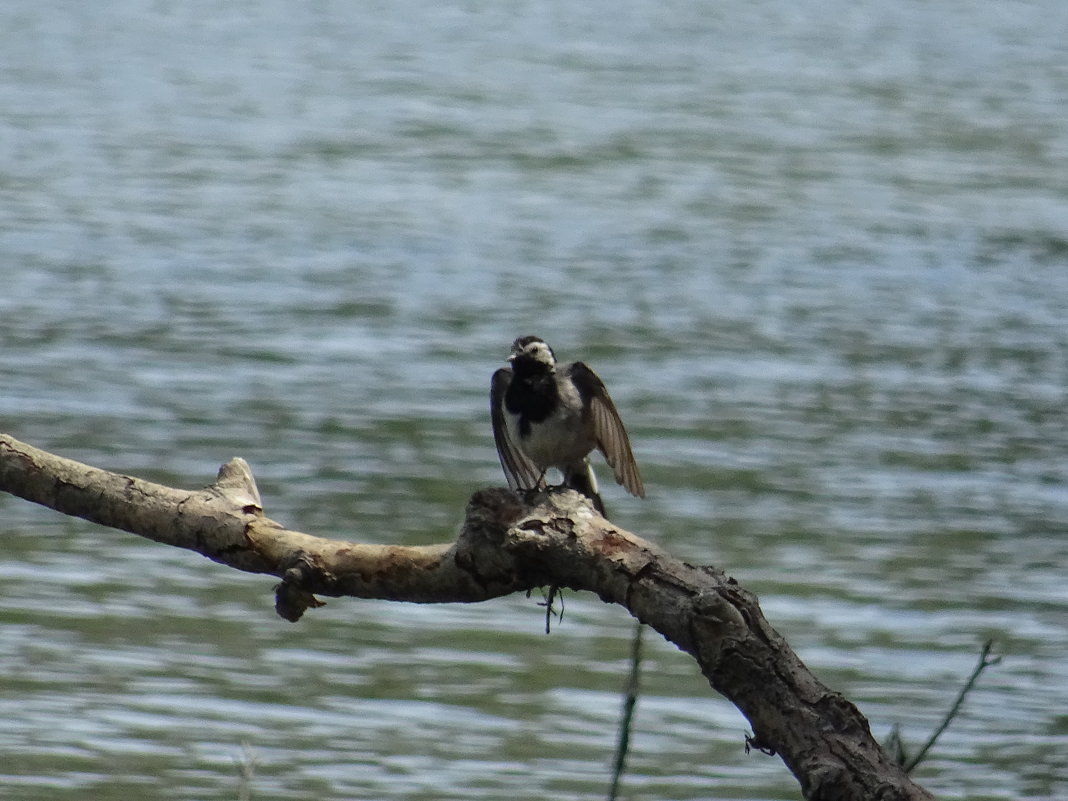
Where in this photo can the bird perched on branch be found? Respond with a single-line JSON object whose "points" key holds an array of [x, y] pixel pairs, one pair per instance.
{"points": [[547, 414]]}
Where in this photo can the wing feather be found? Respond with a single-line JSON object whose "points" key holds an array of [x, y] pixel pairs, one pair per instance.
{"points": [[519, 471], [611, 436]]}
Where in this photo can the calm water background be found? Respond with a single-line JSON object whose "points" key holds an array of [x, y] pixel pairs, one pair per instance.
{"points": [[818, 251]]}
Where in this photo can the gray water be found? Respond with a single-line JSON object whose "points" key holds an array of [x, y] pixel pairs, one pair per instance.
{"points": [[817, 251]]}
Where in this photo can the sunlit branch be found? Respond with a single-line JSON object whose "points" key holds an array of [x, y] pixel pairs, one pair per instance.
{"points": [[506, 544]]}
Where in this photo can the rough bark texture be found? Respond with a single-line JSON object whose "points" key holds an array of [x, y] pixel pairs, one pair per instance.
{"points": [[507, 545]]}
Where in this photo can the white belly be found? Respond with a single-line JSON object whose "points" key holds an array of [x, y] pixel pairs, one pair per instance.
{"points": [[557, 441]]}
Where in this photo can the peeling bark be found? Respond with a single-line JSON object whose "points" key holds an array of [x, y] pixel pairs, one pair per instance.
{"points": [[507, 544]]}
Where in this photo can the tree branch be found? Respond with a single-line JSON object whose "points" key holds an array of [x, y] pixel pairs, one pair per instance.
{"points": [[506, 545]]}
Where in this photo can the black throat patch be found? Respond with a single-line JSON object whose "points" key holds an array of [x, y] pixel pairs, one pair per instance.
{"points": [[532, 394]]}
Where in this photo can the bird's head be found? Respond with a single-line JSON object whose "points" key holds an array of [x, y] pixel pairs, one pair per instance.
{"points": [[532, 353]]}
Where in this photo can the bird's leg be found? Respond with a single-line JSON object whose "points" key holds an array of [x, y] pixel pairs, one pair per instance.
{"points": [[539, 485]]}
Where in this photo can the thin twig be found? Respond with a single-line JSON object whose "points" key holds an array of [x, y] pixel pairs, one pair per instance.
{"points": [[630, 700], [984, 662], [554, 593], [895, 746], [247, 768]]}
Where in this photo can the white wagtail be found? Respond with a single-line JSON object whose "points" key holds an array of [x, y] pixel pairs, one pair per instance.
{"points": [[552, 415]]}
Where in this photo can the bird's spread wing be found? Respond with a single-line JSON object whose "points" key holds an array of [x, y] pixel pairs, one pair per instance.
{"points": [[518, 469], [608, 429]]}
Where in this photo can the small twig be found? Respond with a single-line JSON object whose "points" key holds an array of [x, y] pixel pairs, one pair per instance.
{"points": [[554, 593], [630, 700], [247, 767], [752, 742], [895, 746], [984, 662]]}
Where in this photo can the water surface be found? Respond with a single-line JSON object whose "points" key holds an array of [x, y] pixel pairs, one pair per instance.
{"points": [[819, 253]]}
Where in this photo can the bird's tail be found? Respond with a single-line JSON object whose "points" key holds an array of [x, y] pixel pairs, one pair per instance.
{"points": [[581, 479]]}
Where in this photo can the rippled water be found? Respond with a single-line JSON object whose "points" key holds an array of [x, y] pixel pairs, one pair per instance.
{"points": [[818, 251]]}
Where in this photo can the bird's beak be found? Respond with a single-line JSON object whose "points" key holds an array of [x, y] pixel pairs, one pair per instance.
{"points": [[511, 357]]}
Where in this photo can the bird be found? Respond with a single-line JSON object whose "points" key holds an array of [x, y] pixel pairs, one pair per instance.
{"points": [[546, 414]]}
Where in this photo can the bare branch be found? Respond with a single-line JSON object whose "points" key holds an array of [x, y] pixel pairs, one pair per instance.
{"points": [[985, 661], [630, 700], [224, 522], [506, 545]]}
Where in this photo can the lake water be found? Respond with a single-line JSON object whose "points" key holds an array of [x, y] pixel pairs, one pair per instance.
{"points": [[817, 251]]}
